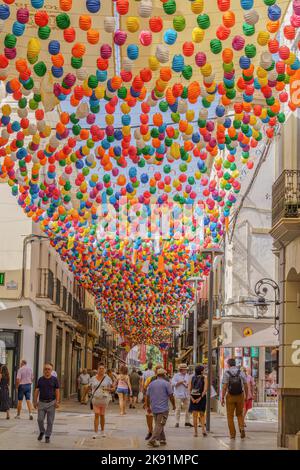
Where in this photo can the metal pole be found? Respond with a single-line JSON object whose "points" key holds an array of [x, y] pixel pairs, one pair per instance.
{"points": [[209, 345], [195, 329], [86, 339]]}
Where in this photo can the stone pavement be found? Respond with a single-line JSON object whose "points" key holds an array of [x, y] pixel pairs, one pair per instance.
{"points": [[73, 429]]}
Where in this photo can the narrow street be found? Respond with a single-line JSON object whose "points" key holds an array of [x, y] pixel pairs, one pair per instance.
{"points": [[73, 431]]}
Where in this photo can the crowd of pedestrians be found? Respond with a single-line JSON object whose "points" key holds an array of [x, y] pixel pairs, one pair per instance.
{"points": [[154, 388]]}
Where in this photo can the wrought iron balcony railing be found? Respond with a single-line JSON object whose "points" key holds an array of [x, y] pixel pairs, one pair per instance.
{"points": [[286, 196]]}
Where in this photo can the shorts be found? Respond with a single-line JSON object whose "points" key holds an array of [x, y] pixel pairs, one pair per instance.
{"points": [[135, 393], [24, 391], [125, 391], [248, 404], [99, 410]]}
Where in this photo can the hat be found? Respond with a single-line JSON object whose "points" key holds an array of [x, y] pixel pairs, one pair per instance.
{"points": [[182, 366], [161, 372]]}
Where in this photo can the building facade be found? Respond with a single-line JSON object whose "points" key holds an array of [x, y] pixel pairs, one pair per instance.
{"points": [[286, 234]]}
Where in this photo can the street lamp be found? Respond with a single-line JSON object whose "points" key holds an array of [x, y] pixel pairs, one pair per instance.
{"points": [[262, 303], [195, 280], [214, 252], [20, 318]]}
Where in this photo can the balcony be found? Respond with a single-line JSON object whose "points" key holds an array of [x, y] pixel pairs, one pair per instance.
{"points": [[286, 207]]}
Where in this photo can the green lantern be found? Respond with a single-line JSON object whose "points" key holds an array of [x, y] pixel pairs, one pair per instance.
{"points": [[248, 29], [203, 21], [40, 69], [169, 7], [44, 32], [179, 23], [215, 46], [250, 51], [63, 21]]}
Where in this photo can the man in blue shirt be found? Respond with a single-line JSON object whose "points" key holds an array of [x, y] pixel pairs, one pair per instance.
{"points": [[159, 392]]}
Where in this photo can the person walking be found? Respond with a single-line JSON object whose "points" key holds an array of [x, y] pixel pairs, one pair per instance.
{"points": [[250, 394], [101, 388], [198, 390], [84, 381], [46, 400], [159, 392], [135, 382], [149, 415], [180, 384], [234, 389], [149, 372], [23, 385], [123, 389], [4, 390]]}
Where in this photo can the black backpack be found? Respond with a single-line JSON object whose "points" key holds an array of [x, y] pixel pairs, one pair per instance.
{"points": [[235, 385]]}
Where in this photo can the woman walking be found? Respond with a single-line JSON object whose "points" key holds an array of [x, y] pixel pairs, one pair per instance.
{"points": [[100, 387], [4, 390], [123, 389], [198, 389]]}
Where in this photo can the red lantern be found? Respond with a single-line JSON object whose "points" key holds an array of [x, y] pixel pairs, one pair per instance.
{"points": [[273, 45], [155, 24], [122, 7], [188, 49], [289, 32], [223, 5]]}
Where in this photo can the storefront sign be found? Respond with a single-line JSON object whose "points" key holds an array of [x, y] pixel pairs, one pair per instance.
{"points": [[2, 279], [12, 285]]}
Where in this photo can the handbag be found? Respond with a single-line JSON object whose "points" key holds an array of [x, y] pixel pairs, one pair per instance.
{"points": [[140, 397], [91, 400]]}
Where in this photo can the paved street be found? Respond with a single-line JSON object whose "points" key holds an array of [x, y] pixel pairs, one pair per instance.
{"points": [[73, 430]]}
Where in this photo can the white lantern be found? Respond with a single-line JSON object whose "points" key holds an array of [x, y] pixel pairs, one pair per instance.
{"points": [[127, 64], [162, 53], [109, 24], [145, 8], [251, 17]]}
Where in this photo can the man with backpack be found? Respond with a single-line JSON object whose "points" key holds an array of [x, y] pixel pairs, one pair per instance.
{"points": [[234, 387]]}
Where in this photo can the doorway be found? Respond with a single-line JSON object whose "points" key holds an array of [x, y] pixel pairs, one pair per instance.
{"points": [[10, 341]]}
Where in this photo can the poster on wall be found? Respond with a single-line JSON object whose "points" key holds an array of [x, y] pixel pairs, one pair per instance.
{"points": [[247, 352], [238, 352], [247, 362], [227, 355], [255, 367], [254, 351], [238, 361]]}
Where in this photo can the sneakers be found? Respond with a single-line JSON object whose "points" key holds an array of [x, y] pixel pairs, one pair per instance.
{"points": [[102, 434], [41, 435], [47, 440], [95, 436], [17, 417], [163, 443], [149, 435], [189, 425], [153, 444], [243, 434], [177, 425], [31, 417]]}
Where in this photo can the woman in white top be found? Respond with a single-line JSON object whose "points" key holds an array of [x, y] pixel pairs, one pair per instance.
{"points": [[101, 387]]}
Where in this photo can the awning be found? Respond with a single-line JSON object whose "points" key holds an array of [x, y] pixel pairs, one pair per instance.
{"points": [[184, 355], [264, 337]]}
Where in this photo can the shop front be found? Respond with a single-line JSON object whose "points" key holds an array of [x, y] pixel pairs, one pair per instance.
{"points": [[258, 353]]}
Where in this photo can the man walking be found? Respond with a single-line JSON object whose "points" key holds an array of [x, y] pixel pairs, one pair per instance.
{"points": [[46, 400], [180, 383], [234, 388], [23, 384], [159, 392], [84, 382]]}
